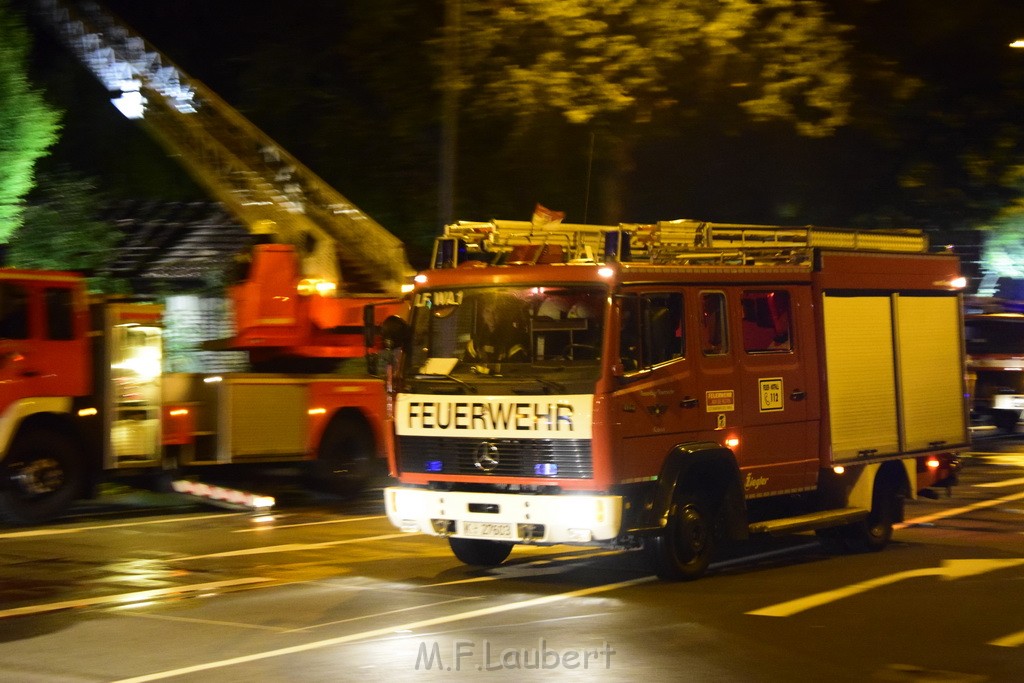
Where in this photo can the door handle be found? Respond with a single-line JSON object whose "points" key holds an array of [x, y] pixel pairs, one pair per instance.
{"points": [[657, 409], [798, 395], [688, 402]]}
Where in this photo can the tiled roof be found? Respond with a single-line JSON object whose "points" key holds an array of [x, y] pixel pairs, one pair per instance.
{"points": [[177, 243]]}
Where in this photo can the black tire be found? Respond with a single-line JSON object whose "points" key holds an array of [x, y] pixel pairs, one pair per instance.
{"points": [[43, 474], [347, 456], [685, 547], [480, 553], [874, 533]]}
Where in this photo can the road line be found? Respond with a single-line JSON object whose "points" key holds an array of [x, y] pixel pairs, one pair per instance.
{"points": [[388, 631], [948, 570], [380, 614], [1000, 484], [290, 547], [1012, 640], [30, 533], [275, 527], [205, 622], [952, 512], [125, 598]]}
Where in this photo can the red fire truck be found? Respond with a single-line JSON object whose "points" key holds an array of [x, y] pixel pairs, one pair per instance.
{"points": [[672, 385], [995, 367], [82, 397]]}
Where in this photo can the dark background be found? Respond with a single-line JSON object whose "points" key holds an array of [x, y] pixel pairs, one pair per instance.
{"points": [[349, 89]]}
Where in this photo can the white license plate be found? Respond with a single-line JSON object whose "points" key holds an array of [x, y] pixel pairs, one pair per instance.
{"points": [[488, 530]]}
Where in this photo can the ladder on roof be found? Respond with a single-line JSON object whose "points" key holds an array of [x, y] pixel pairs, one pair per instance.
{"points": [[266, 188], [668, 242]]}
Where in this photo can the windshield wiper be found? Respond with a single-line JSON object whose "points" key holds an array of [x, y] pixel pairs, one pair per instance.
{"points": [[548, 384], [471, 389]]}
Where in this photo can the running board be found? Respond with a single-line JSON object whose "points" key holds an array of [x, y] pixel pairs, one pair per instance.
{"points": [[219, 496], [814, 520]]}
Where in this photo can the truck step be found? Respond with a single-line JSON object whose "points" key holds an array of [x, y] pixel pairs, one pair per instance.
{"points": [[814, 520], [232, 499]]}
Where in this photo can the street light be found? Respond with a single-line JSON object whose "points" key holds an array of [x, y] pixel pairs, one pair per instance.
{"points": [[1019, 43]]}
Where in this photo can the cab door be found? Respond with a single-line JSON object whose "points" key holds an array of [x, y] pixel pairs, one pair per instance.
{"points": [[654, 406], [43, 348], [778, 405]]}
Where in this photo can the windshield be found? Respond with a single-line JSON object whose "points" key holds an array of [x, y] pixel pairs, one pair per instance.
{"points": [[549, 334]]}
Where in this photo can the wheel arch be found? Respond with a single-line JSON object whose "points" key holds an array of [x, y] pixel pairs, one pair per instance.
{"points": [[704, 467]]}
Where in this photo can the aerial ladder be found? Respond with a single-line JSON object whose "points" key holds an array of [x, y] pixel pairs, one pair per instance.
{"points": [[267, 189]]}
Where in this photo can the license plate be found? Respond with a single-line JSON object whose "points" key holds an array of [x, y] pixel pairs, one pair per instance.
{"points": [[488, 530]]}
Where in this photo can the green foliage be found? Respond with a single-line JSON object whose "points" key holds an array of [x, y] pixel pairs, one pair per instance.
{"points": [[61, 232], [28, 126], [621, 62]]}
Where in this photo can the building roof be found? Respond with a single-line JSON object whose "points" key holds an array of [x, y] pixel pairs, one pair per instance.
{"points": [[180, 244]]}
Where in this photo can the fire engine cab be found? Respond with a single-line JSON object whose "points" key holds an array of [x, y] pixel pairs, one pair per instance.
{"points": [[671, 385]]}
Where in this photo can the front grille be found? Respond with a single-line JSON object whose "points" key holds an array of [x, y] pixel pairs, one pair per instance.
{"points": [[571, 458]]}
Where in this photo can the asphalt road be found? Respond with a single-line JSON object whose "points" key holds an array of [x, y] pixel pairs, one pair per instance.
{"points": [[137, 587]]}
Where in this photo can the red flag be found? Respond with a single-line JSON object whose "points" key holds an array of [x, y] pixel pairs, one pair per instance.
{"points": [[544, 216]]}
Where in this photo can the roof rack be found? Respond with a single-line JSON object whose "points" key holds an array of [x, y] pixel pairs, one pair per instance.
{"points": [[681, 241]]}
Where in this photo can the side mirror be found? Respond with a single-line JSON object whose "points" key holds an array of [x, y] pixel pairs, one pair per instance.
{"points": [[395, 332]]}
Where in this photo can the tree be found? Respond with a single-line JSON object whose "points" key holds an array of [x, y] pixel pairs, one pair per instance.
{"points": [[632, 68], [61, 231], [28, 126]]}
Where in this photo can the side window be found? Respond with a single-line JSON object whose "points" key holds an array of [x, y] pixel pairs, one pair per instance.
{"points": [[663, 328], [13, 311], [652, 330], [767, 323], [714, 333], [59, 314], [629, 335]]}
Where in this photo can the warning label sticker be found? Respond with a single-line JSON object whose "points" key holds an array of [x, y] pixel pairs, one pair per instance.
{"points": [[720, 401]]}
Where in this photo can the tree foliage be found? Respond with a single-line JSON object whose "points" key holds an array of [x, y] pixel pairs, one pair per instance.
{"points": [[628, 69], [622, 61], [62, 231], [28, 126]]}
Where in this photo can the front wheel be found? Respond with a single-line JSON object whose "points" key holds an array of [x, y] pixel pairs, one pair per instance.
{"points": [[43, 474], [347, 457], [480, 553], [684, 548]]}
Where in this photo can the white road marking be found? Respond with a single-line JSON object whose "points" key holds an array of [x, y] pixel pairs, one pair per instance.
{"points": [[388, 631], [1001, 484], [290, 547], [952, 512], [127, 598], [30, 533], [380, 614], [949, 569], [275, 527], [1012, 640]]}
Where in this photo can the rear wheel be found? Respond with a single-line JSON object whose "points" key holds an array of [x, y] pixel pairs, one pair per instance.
{"points": [[684, 548], [43, 474], [347, 457], [480, 553], [874, 532]]}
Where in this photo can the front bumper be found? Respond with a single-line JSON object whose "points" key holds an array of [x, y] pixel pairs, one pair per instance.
{"points": [[521, 518]]}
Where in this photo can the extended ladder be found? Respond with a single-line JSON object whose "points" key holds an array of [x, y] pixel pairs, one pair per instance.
{"points": [[265, 187]]}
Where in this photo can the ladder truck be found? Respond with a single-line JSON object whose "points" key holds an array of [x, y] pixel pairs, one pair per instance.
{"points": [[306, 303], [669, 386]]}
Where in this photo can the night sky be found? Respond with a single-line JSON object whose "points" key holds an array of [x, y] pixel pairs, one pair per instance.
{"points": [[758, 175]]}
